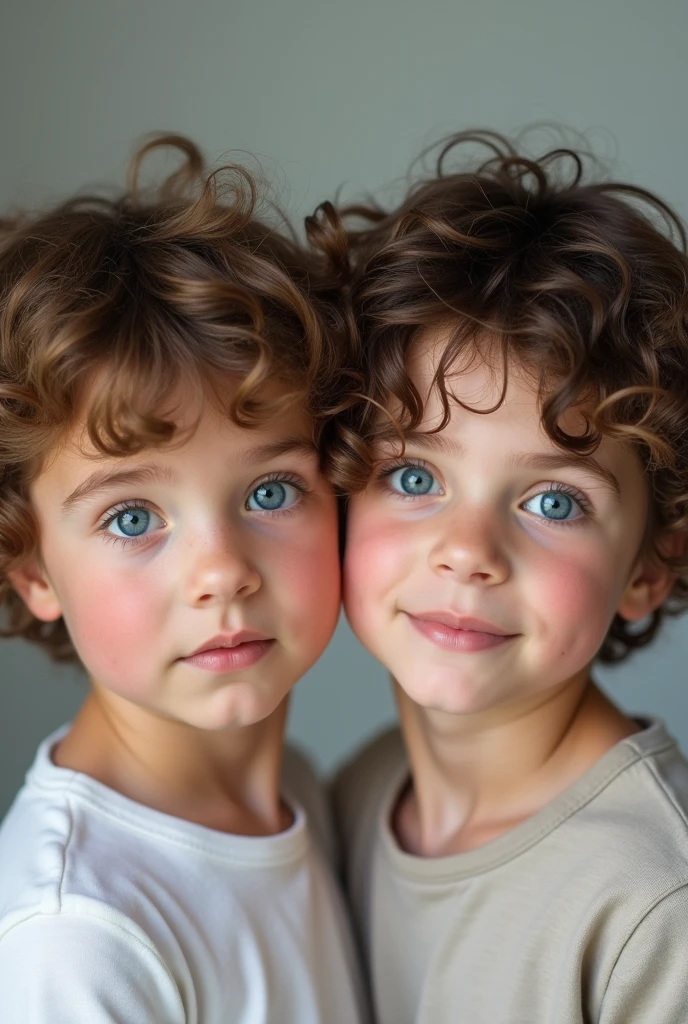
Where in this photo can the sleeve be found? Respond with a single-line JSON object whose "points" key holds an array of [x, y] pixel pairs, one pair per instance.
{"points": [[649, 983], [70, 969]]}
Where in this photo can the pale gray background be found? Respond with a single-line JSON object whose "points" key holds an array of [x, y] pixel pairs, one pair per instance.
{"points": [[329, 93]]}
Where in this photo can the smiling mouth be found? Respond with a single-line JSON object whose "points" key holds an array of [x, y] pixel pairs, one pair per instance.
{"points": [[458, 633]]}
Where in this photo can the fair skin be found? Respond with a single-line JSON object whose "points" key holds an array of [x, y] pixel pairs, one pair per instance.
{"points": [[483, 569], [198, 583]]}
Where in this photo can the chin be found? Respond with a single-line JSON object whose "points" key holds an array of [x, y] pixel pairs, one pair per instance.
{"points": [[240, 706], [443, 692]]}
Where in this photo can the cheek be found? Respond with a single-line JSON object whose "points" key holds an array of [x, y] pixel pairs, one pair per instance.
{"points": [[375, 557], [306, 579], [112, 620], [576, 596]]}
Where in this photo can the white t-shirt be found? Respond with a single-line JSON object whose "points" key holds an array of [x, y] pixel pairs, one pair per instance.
{"points": [[113, 913], [578, 915]]}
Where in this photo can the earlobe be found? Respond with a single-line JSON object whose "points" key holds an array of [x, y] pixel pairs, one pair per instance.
{"points": [[36, 591], [651, 581]]}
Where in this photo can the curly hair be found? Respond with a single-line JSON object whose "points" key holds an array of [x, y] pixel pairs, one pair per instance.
{"points": [[107, 306], [582, 282]]}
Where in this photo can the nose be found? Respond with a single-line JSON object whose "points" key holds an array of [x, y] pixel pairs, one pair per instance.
{"points": [[220, 571], [471, 549]]}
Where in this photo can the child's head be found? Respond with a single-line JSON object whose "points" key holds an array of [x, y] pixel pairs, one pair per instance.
{"points": [[163, 377], [528, 334]]}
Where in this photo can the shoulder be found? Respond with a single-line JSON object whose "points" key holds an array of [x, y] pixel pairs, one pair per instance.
{"points": [[301, 782], [298, 773], [649, 981], [645, 808], [666, 772], [616, 846], [361, 791], [361, 785], [65, 871], [72, 962], [34, 842], [68, 842]]}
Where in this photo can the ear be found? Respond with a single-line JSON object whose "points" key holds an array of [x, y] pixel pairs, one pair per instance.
{"points": [[651, 580], [35, 589]]}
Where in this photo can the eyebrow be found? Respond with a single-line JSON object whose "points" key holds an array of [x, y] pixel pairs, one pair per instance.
{"points": [[586, 463], [537, 460], [435, 442], [273, 449], [104, 479]]}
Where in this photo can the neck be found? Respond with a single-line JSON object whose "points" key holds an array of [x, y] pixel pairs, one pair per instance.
{"points": [[476, 776], [227, 779]]}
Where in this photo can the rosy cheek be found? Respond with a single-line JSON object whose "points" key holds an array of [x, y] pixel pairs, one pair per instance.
{"points": [[112, 620], [308, 575], [375, 557], [575, 597]]}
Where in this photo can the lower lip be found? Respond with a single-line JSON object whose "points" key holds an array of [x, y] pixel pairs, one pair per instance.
{"points": [[229, 659], [451, 639]]}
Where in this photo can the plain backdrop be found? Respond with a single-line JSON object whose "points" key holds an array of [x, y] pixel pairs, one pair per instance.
{"points": [[328, 94]]}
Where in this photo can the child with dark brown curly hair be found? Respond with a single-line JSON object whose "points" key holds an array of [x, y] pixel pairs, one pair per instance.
{"points": [[519, 509], [166, 365]]}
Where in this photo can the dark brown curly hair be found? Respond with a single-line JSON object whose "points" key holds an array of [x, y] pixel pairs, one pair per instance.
{"points": [[583, 282], [108, 305]]}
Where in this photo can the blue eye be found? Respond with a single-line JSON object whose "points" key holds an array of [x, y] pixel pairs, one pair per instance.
{"points": [[272, 496], [553, 505], [133, 522], [413, 481]]}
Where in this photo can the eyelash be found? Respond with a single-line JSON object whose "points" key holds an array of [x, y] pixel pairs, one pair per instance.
{"points": [[558, 488], [125, 506], [287, 478], [384, 475], [552, 486], [116, 510]]}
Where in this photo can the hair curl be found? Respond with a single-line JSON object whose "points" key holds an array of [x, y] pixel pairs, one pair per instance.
{"points": [[584, 283], [107, 306]]}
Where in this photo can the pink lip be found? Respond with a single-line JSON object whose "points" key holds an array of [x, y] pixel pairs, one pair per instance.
{"points": [[230, 651], [458, 632]]}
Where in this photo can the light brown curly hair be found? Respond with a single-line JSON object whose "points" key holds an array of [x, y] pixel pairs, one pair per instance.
{"points": [[583, 282], [107, 306]]}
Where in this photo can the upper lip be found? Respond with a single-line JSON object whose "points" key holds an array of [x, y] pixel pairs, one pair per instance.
{"points": [[455, 621], [243, 636]]}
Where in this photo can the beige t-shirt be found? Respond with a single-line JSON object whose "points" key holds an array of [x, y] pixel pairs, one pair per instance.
{"points": [[578, 914]]}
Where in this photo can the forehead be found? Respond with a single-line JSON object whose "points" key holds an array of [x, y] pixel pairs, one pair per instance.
{"points": [[203, 430], [497, 422], [481, 389], [477, 384]]}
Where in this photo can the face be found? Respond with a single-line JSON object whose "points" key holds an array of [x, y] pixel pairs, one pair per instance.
{"points": [[484, 568], [199, 582]]}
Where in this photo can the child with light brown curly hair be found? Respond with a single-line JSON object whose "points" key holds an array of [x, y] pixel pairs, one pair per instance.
{"points": [[519, 853], [166, 363]]}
